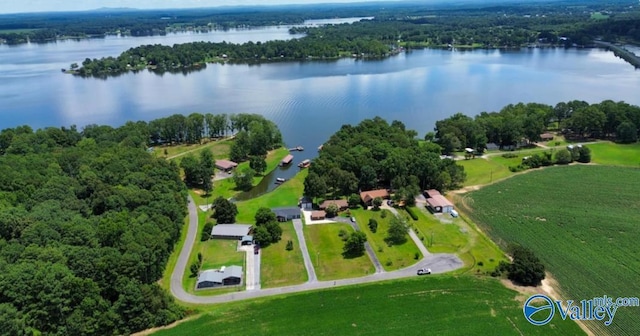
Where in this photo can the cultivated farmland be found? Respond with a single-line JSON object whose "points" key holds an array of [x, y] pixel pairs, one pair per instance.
{"points": [[582, 221], [441, 305]]}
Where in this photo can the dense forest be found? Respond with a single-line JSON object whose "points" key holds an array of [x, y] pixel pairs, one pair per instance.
{"points": [[490, 26], [375, 154], [87, 222], [522, 123]]}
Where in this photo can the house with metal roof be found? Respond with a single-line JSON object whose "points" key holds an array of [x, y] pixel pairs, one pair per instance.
{"points": [[225, 276], [226, 165], [437, 202], [230, 231], [285, 214], [342, 204]]}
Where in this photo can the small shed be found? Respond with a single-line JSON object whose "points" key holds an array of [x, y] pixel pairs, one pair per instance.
{"points": [[318, 215], [286, 213], [439, 203], [306, 203], [225, 276], [226, 165], [546, 136], [230, 231]]}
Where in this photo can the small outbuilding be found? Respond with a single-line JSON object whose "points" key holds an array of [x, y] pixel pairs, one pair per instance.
{"points": [[287, 160], [318, 215], [225, 276], [546, 136], [226, 165], [437, 202], [230, 231], [286, 214], [306, 203], [342, 204]]}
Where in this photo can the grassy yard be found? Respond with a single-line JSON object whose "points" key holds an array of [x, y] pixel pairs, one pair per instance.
{"points": [[280, 267], [215, 253], [392, 257], [325, 250], [219, 148], [439, 305], [609, 153], [582, 221], [483, 171]]}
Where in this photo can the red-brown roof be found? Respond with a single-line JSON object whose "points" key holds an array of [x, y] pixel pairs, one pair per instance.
{"points": [[439, 201], [432, 192], [340, 203], [225, 164], [368, 196], [318, 214], [287, 159], [546, 136]]}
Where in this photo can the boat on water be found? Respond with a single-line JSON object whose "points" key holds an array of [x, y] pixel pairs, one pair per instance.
{"points": [[280, 180], [304, 164]]}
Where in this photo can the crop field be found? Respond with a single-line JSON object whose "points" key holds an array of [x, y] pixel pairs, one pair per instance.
{"points": [[583, 223], [441, 305]]}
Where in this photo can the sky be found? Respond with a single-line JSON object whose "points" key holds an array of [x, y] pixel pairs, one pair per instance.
{"points": [[22, 6]]}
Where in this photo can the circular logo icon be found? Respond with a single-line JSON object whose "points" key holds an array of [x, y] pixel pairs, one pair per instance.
{"points": [[536, 312]]}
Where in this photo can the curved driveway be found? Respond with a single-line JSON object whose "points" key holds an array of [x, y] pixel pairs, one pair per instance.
{"points": [[439, 263]]}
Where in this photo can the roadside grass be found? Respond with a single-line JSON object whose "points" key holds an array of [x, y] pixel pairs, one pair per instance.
{"points": [[280, 267], [581, 221], [392, 257], [438, 305], [287, 194], [609, 153], [325, 250], [227, 187]]}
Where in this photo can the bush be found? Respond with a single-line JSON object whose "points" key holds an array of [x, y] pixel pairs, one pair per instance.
{"points": [[526, 269], [563, 156], [384, 214], [412, 213], [416, 256], [584, 155], [343, 234], [480, 263], [389, 262], [206, 232], [373, 225], [289, 246]]}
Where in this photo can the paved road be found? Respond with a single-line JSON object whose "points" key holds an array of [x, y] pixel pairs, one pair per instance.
{"points": [[311, 272], [438, 263], [252, 265]]}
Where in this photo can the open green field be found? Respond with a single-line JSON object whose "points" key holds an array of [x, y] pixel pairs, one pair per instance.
{"points": [[609, 153], [215, 253], [482, 171], [325, 250], [599, 16], [440, 305], [280, 267], [582, 221], [219, 148], [392, 257]]}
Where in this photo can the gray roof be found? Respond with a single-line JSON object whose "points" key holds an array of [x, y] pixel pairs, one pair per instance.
{"points": [[286, 211], [218, 275], [237, 230]]}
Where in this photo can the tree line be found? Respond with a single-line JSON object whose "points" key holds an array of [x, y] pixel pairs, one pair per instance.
{"points": [[375, 154], [523, 123], [88, 220]]}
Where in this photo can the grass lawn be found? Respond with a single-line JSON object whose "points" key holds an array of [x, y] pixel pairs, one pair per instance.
{"points": [[227, 187], [215, 253], [599, 16], [609, 153], [438, 305], [219, 148], [392, 257], [325, 250], [280, 267], [483, 171], [581, 221], [287, 194]]}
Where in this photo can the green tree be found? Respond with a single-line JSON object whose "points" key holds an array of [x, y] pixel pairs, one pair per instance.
{"points": [[314, 185], [192, 170], [377, 202], [332, 210], [275, 231], [354, 245], [262, 236], [206, 231], [373, 225], [258, 163], [584, 154], [243, 178], [526, 269], [289, 245], [224, 211], [353, 201], [563, 156], [264, 215], [397, 233], [627, 132]]}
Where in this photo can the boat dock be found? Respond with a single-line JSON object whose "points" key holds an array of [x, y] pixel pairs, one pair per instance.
{"points": [[298, 148], [287, 160]]}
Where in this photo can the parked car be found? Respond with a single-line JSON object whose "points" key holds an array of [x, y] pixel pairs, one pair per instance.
{"points": [[389, 202], [424, 271], [454, 213], [256, 249], [353, 219]]}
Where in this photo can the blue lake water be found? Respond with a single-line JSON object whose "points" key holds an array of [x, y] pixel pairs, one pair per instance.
{"points": [[308, 100]]}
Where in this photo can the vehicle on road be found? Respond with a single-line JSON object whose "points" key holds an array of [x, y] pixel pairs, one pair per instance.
{"points": [[454, 213], [389, 202], [424, 271], [256, 249]]}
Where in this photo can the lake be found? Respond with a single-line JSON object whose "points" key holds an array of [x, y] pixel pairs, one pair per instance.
{"points": [[308, 100]]}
